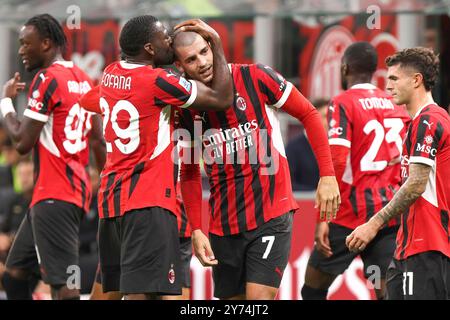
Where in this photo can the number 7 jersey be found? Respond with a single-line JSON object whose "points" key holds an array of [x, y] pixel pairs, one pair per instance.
{"points": [[137, 103], [365, 120]]}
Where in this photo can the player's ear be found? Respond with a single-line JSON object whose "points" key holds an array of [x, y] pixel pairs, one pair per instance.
{"points": [[45, 44], [344, 69], [417, 79], [149, 48], [179, 66]]}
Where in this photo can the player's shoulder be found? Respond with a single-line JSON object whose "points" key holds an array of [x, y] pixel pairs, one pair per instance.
{"points": [[432, 111], [344, 98], [435, 113], [253, 67]]}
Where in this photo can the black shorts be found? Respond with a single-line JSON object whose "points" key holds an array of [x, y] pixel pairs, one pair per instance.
{"points": [[185, 255], [140, 252], [47, 241], [258, 256], [423, 276], [378, 253]]}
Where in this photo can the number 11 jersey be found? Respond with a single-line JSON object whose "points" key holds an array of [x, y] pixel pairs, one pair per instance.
{"points": [[365, 119], [137, 103]]}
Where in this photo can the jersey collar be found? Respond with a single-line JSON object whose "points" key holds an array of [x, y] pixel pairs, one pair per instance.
{"points": [[66, 64], [429, 102], [365, 86], [127, 65]]}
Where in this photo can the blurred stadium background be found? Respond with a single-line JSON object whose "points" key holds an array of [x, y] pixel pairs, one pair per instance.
{"points": [[302, 39]]}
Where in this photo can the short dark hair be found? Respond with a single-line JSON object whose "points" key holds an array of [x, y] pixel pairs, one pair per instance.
{"points": [[48, 27], [421, 59], [136, 33], [361, 57]]}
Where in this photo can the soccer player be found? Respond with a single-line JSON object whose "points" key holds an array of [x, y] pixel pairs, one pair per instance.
{"points": [[138, 236], [365, 134], [251, 202], [421, 264], [57, 128]]}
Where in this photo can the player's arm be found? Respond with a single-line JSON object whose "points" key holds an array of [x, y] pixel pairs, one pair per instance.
{"points": [[191, 190], [91, 101], [25, 133], [97, 143], [327, 196], [220, 95], [409, 192]]}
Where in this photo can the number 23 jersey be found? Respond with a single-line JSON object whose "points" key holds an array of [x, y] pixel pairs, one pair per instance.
{"points": [[365, 120], [61, 153]]}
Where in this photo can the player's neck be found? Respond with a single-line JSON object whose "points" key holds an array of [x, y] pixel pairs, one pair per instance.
{"points": [[48, 62], [352, 81], [420, 99]]}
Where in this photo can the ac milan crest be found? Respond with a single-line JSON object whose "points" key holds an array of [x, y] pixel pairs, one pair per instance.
{"points": [[241, 104], [171, 275]]}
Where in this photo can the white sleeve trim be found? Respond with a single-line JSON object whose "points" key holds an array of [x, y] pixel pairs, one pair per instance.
{"points": [[35, 115], [422, 160], [193, 95], [340, 142], [285, 96]]}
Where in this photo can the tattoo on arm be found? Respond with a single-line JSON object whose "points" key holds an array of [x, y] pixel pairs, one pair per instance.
{"points": [[410, 191]]}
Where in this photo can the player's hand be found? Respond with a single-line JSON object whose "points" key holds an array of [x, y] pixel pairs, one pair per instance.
{"points": [[358, 240], [202, 249], [199, 26], [322, 240], [5, 242], [328, 198], [13, 86]]}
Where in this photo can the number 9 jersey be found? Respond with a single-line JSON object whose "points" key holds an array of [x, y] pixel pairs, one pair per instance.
{"points": [[136, 102], [61, 154], [365, 120]]}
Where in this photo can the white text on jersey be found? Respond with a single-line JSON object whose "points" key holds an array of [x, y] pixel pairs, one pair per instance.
{"points": [[116, 82], [78, 87], [376, 103]]}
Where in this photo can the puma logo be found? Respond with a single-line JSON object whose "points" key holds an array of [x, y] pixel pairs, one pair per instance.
{"points": [[428, 124]]}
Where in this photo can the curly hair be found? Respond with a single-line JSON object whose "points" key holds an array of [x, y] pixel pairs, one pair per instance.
{"points": [[136, 33], [421, 59]]}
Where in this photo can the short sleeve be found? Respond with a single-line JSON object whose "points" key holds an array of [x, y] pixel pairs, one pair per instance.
{"points": [[175, 90], [43, 97], [90, 101], [274, 86], [339, 125], [426, 140]]}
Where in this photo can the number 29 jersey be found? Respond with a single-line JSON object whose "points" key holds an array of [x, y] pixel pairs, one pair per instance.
{"points": [[61, 154], [137, 103], [365, 120]]}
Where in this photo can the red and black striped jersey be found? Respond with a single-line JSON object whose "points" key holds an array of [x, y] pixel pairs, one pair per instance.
{"points": [[137, 104], [61, 154], [425, 226], [243, 152], [364, 119]]}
